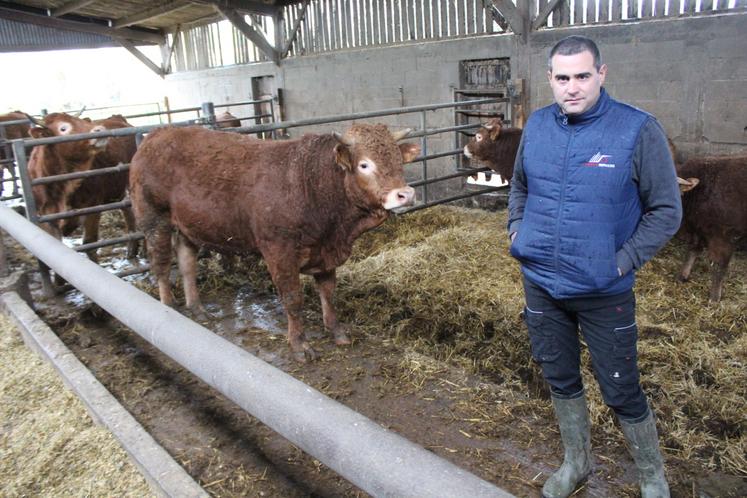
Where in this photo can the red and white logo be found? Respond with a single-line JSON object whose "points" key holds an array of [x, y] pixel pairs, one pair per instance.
{"points": [[600, 160]]}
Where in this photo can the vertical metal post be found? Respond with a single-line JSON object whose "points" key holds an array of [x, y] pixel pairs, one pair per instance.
{"points": [[457, 122], [424, 152], [208, 114], [3, 256], [272, 116], [19, 151]]}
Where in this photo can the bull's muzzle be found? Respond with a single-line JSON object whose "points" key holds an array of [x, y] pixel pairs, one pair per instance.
{"points": [[400, 197], [99, 143]]}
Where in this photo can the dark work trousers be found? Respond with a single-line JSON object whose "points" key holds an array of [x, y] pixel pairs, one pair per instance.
{"points": [[609, 329]]}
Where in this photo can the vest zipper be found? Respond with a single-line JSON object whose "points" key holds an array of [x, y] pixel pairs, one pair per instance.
{"points": [[560, 205]]}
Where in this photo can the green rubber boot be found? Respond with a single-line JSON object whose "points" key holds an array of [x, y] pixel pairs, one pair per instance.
{"points": [[573, 419], [643, 443]]}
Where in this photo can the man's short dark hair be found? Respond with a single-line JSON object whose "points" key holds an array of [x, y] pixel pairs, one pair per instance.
{"points": [[573, 45]]}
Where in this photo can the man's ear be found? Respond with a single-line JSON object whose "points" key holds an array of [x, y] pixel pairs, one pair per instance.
{"points": [[409, 151], [343, 157], [39, 132], [687, 184]]}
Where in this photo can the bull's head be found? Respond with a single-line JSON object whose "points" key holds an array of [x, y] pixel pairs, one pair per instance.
{"points": [[372, 160], [60, 124]]}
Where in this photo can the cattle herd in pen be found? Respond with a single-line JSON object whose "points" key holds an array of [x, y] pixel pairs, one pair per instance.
{"points": [[300, 203]]}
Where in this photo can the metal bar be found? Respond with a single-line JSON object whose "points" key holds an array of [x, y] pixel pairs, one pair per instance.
{"points": [[424, 151], [376, 460], [83, 211], [450, 199], [109, 242], [436, 156], [436, 131], [461, 172], [80, 174]]}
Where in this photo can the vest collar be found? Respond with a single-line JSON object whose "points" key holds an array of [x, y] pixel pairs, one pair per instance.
{"points": [[599, 108]]}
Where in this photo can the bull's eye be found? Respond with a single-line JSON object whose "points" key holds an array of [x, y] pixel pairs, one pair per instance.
{"points": [[478, 137], [64, 128]]}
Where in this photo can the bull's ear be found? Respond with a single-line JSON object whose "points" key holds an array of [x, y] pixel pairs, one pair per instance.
{"points": [[687, 184], [39, 132], [343, 157], [409, 151]]}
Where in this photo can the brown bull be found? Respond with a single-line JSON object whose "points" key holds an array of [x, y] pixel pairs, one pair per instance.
{"points": [[496, 147], [714, 212], [299, 203], [60, 158]]}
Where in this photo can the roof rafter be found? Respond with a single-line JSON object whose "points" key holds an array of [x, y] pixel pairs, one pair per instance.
{"points": [[69, 7], [150, 13], [53, 22], [257, 37], [250, 6]]}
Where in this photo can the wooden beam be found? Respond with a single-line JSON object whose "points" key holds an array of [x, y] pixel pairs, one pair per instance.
{"points": [[250, 32], [250, 6], [544, 13], [69, 7], [154, 37], [498, 17], [514, 17], [140, 56], [294, 32], [123, 22]]}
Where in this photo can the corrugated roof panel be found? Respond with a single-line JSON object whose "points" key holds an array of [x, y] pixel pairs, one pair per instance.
{"points": [[21, 37]]}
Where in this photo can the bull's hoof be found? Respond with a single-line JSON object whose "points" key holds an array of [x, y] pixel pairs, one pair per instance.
{"points": [[340, 335], [683, 278], [306, 354], [198, 314]]}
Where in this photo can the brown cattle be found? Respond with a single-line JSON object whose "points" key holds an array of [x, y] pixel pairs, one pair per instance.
{"points": [[496, 147], [56, 159], [227, 120], [105, 189], [714, 205], [299, 203]]}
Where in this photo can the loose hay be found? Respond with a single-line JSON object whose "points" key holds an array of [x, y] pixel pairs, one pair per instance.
{"points": [[49, 446], [444, 279]]}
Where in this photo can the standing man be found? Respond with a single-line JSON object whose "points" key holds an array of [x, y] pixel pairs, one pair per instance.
{"points": [[593, 197]]}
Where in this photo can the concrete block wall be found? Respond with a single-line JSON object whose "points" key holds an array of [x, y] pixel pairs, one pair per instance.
{"points": [[691, 73]]}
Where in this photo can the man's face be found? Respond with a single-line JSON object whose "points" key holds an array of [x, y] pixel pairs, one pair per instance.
{"points": [[575, 82]]}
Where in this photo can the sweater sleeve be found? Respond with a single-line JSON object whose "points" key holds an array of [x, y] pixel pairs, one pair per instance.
{"points": [[518, 193], [655, 175]]}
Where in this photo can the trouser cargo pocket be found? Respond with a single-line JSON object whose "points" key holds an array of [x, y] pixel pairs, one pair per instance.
{"points": [[623, 368], [543, 341]]}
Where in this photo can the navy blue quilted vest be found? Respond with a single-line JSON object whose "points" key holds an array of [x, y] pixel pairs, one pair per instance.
{"points": [[582, 203]]}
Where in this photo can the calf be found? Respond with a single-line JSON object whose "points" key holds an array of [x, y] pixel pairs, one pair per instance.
{"points": [[496, 147], [227, 120], [299, 203], [714, 205]]}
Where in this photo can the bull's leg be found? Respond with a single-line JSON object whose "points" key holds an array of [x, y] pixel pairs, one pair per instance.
{"points": [[91, 233], [158, 234], [325, 285], [132, 246], [288, 283], [692, 254], [186, 253], [719, 251]]}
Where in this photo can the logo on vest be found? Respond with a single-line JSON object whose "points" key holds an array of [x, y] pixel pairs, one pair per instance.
{"points": [[600, 160]]}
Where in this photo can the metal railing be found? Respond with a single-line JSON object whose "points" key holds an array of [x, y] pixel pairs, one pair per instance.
{"points": [[207, 112]]}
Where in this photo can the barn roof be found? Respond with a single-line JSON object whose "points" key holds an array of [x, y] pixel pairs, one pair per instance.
{"points": [[28, 25]]}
